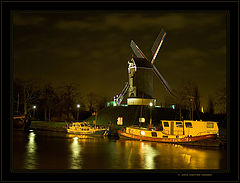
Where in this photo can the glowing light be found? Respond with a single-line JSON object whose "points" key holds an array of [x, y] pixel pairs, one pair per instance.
{"points": [[31, 130], [76, 159], [78, 105], [202, 110], [151, 104], [34, 107], [173, 106], [120, 121], [141, 120], [31, 161], [142, 132], [149, 154]]}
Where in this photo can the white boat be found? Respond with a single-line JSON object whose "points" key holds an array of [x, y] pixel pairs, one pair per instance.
{"points": [[85, 128]]}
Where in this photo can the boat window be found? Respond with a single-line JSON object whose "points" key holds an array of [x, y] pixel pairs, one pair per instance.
{"points": [[154, 134], [166, 124], [188, 125], [179, 124], [82, 125], [210, 125]]}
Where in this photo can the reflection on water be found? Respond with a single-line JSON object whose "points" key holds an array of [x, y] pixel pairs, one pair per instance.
{"points": [[153, 155], [149, 153], [30, 160], [76, 149], [47, 151]]}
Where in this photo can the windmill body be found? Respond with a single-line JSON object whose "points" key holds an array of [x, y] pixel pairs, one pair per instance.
{"points": [[140, 82], [140, 73]]}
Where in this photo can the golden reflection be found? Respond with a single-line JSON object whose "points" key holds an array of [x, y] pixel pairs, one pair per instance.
{"points": [[76, 158], [149, 153], [30, 161], [187, 158], [78, 136], [198, 158]]}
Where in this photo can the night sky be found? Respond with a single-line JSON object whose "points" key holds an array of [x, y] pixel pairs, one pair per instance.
{"points": [[91, 48]]}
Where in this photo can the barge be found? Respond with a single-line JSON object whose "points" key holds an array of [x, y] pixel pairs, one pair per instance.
{"points": [[170, 131]]}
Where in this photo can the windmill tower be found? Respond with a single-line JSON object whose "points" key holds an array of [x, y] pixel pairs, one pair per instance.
{"points": [[140, 73]]}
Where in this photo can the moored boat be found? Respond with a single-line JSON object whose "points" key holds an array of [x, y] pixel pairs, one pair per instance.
{"points": [[85, 128], [18, 121], [173, 131], [21, 122]]}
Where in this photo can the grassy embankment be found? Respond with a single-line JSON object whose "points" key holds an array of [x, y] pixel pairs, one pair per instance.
{"points": [[109, 116], [49, 126]]}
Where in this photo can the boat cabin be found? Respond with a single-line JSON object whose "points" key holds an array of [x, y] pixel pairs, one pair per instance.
{"points": [[176, 129], [188, 127], [81, 126]]}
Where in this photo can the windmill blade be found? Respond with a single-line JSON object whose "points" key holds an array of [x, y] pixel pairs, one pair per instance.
{"points": [[157, 44], [164, 82], [137, 50], [154, 47]]}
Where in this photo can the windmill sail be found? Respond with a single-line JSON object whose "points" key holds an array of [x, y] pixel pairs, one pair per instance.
{"points": [[155, 49], [137, 50], [164, 82], [157, 44]]}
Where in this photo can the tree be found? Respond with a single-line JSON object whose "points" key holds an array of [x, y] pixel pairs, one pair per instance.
{"points": [[210, 107], [221, 99], [187, 97], [92, 101], [67, 100], [31, 94], [196, 96], [26, 93], [48, 98], [101, 102], [18, 96]]}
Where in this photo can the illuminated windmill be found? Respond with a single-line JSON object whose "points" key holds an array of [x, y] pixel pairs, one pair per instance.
{"points": [[140, 71]]}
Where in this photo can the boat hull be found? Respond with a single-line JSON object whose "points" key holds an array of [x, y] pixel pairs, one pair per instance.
{"points": [[183, 140], [97, 132]]}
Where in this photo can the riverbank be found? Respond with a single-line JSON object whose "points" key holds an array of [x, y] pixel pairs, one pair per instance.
{"points": [[49, 126]]}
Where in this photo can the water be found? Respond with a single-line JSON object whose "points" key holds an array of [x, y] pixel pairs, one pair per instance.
{"points": [[52, 150]]}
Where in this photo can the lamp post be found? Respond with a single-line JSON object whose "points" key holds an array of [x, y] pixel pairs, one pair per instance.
{"points": [[150, 122], [78, 106], [34, 108]]}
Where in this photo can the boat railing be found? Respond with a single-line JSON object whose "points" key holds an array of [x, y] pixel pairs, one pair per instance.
{"points": [[206, 132]]}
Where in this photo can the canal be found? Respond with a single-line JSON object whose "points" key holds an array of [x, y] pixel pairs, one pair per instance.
{"points": [[54, 150]]}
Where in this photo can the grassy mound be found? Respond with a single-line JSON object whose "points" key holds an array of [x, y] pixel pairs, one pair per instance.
{"points": [[131, 115]]}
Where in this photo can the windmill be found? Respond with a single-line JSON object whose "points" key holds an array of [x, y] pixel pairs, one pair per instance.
{"points": [[140, 71]]}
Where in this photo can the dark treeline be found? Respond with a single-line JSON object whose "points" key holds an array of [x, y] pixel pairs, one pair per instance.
{"points": [[60, 104], [188, 103], [53, 103]]}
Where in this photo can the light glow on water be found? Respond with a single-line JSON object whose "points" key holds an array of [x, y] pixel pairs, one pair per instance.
{"points": [[75, 157], [149, 153], [42, 150], [31, 147]]}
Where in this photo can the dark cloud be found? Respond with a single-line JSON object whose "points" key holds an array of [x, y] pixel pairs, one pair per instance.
{"points": [[91, 48]]}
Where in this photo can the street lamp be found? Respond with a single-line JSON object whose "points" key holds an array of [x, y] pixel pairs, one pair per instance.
{"points": [[78, 106], [34, 108], [151, 104]]}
